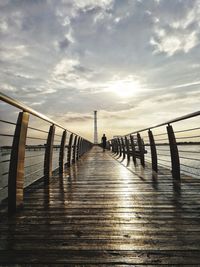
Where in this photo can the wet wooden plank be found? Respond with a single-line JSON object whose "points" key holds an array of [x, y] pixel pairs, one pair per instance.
{"points": [[102, 213]]}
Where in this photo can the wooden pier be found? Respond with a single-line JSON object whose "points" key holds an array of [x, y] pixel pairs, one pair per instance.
{"points": [[101, 213]]}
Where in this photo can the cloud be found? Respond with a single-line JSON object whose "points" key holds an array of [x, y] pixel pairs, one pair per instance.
{"points": [[64, 44], [8, 88], [77, 117], [3, 26], [65, 66], [133, 61], [177, 33], [13, 53], [37, 103], [171, 44]]}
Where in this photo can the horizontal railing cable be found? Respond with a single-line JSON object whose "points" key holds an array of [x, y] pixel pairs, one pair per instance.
{"points": [[188, 116], [31, 111]]}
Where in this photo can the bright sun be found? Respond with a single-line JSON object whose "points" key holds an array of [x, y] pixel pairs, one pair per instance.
{"points": [[124, 88]]}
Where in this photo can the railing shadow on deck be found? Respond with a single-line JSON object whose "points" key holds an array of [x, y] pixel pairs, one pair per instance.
{"points": [[28, 162]]}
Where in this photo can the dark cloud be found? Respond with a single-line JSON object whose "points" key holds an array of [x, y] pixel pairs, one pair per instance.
{"points": [[78, 118], [63, 45]]}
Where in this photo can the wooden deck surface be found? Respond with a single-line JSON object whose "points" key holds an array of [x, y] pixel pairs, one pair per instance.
{"points": [[104, 214]]}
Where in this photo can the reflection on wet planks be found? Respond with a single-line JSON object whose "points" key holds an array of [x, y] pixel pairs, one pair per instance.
{"points": [[102, 213]]}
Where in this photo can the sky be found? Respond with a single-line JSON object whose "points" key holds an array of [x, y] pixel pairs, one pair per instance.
{"points": [[137, 62]]}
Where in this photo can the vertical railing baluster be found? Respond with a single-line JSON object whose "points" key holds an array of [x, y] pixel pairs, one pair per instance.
{"points": [[81, 147], [133, 149], [123, 148], [62, 152], [74, 150], [175, 161], [112, 146], [127, 148], [154, 161], [120, 147], [49, 155], [78, 148], [16, 169], [117, 147], [69, 150], [141, 149], [108, 145]]}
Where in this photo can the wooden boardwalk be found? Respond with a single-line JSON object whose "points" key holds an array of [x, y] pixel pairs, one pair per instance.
{"points": [[102, 213]]}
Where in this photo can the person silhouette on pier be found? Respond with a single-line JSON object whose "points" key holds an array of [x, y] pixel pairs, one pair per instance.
{"points": [[103, 140]]}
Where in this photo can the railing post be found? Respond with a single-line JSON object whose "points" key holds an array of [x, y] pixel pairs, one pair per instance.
{"points": [[78, 148], [127, 148], [112, 145], [123, 148], [174, 153], [108, 145], [69, 150], [16, 169], [117, 147], [133, 149], [154, 161], [141, 149], [62, 152], [49, 155], [120, 147], [74, 150], [81, 147]]}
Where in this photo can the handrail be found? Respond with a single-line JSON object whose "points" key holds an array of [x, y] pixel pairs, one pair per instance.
{"points": [[173, 139], [25, 108], [188, 116], [17, 169]]}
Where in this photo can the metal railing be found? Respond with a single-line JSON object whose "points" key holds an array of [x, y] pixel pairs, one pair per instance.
{"points": [[173, 145], [37, 147]]}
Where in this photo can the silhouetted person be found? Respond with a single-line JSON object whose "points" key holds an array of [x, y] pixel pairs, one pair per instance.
{"points": [[103, 140]]}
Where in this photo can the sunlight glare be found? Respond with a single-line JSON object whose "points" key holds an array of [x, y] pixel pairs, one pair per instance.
{"points": [[124, 88]]}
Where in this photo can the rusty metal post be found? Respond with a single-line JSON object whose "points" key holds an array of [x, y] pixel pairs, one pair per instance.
{"points": [[175, 161], [69, 150], [127, 148], [74, 150], [123, 148], [49, 155], [62, 152], [154, 160], [133, 149], [16, 169], [141, 149]]}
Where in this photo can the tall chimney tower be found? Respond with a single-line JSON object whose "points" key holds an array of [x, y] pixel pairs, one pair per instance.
{"points": [[95, 128]]}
